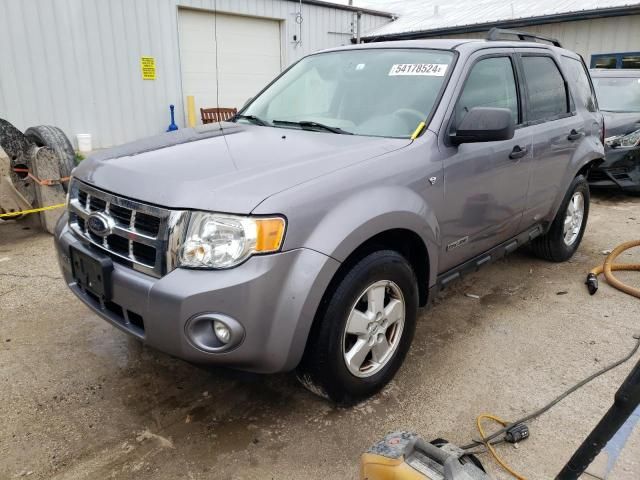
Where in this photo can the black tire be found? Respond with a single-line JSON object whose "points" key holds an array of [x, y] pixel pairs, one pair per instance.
{"points": [[55, 139], [552, 246], [323, 369]]}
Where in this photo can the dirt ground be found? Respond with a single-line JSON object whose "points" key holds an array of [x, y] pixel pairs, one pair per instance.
{"points": [[81, 400]]}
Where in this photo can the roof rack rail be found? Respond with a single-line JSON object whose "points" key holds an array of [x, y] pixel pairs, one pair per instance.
{"points": [[496, 34]]}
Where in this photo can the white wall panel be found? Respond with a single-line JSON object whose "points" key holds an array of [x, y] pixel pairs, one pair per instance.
{"points": [[587, 37], [76, 63]]}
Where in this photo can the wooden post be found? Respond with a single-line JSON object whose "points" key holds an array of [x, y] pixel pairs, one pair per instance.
{"points": [[191, 111]]}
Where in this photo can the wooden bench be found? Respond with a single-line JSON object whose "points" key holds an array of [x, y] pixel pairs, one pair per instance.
{"points": [[212, 115]]}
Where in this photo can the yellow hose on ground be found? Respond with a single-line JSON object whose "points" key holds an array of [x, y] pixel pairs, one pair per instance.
{"points": [[608, 267], [492, 450], [592, 283]]}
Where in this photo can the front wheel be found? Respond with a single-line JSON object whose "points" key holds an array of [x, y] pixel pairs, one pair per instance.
{"points": [[363, 330], [564, 237]]}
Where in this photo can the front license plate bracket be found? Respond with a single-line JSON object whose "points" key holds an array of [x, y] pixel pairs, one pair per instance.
{"points": [[92, 271]]}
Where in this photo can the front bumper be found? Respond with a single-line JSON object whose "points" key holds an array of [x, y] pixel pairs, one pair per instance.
{"points": [[620, 170], [274, 298]]}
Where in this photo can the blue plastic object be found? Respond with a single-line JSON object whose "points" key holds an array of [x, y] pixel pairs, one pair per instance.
{"points": [[172, 127]]}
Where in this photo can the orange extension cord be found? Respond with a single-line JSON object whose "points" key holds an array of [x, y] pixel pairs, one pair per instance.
{"points": [[609, 267]]}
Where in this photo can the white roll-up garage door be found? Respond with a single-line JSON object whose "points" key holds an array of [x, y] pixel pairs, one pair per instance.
{"points": [[247, 57]]}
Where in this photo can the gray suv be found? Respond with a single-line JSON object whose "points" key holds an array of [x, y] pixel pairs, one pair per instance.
{"points": [[306, 233]]}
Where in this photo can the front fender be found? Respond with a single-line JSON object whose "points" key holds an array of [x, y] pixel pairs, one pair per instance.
{"points": [[360, 216]]}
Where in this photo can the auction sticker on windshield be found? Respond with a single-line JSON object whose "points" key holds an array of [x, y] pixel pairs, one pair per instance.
{"points": [[431, 69]]}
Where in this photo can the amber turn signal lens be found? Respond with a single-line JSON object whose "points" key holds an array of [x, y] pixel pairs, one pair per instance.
{"points": [[270, 234]]}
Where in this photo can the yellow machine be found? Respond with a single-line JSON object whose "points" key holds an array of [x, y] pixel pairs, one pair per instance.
{"points": [[405, 456]]}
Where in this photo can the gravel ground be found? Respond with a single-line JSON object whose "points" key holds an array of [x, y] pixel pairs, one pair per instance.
{"points": [[81, 400]]}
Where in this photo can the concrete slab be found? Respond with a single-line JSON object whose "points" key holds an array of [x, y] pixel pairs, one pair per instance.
{"points": [[81, 400]]}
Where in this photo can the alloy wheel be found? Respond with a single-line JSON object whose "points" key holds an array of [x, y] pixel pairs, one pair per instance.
{"points": [[573, 219], [373, 329]]}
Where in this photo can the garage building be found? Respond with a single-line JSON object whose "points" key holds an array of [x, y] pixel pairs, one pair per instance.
{"points": [[112, 68], [605, 32]]}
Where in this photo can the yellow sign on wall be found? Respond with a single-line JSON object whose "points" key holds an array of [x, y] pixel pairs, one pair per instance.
{"points": [[148, 67]]}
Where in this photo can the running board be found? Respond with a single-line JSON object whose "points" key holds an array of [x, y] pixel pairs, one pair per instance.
{"points": [[490, 256]]}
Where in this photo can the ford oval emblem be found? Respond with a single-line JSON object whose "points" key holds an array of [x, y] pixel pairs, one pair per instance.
{"points": [[100, 224]]}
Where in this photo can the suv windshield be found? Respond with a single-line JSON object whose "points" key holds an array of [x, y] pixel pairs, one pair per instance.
{"points": [[377, 92], [618, 94]]}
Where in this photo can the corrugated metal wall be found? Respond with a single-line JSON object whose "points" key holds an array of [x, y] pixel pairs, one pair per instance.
{"points": [[587, 37], [76, 63]]}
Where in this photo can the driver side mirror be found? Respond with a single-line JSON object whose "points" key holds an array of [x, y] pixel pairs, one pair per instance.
{"points": [[485, 124]]}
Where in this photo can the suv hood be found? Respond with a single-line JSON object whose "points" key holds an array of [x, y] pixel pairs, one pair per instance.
{"points": [[621, 123], [225, 167]]}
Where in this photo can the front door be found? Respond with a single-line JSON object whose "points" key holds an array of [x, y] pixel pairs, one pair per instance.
{"points": [[485, 183]]}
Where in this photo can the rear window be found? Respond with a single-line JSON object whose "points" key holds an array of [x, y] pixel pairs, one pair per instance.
{"points": [[546, 89], [578, 78]]}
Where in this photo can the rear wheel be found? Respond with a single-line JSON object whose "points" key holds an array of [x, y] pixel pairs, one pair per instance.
{"points": [[364, 330], [56, 140], [564, 237]]}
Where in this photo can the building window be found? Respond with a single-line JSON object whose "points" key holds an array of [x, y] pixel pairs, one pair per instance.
{"points": [[616, 60]]}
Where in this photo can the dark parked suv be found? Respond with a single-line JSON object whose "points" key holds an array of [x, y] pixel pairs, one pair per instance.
{"points": [[618, 94], [306, 233]]}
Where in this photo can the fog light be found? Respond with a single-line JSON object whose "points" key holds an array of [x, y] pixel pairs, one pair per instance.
{"points": [[222, 331], [214, 332]]}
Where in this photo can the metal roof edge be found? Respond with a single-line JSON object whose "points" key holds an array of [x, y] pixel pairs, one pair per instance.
{"points": [[321, 3], [511, 23]]}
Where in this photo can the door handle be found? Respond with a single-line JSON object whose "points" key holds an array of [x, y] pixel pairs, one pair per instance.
{"points": [[574, 135], [518, 152]]}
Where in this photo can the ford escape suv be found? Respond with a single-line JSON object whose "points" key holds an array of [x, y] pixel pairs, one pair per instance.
{"points": [[305, 233]]}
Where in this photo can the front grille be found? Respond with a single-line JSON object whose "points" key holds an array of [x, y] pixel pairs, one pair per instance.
{"points": [[140, 235], [147, 223], [97, 204], [121, 215]]}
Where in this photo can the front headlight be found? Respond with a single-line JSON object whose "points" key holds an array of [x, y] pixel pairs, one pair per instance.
{"points": [[216, 240], [629, 140]]}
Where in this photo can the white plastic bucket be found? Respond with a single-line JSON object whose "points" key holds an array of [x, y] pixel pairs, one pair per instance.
{"points": [[84, 142]]}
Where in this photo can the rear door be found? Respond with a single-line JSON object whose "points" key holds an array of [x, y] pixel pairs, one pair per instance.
{"points": [[485, 183], [556, 127]]}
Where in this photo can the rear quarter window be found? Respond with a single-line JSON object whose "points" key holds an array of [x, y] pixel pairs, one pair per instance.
{"points": [[577, 77]]}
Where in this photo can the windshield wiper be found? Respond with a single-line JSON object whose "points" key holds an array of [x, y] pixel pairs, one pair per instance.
{"points": [[306, 124], [252, 119]]}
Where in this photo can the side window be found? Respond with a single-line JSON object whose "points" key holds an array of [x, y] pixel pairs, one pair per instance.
{"points": [[578, 78], [545, 85], [491, 83]]}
